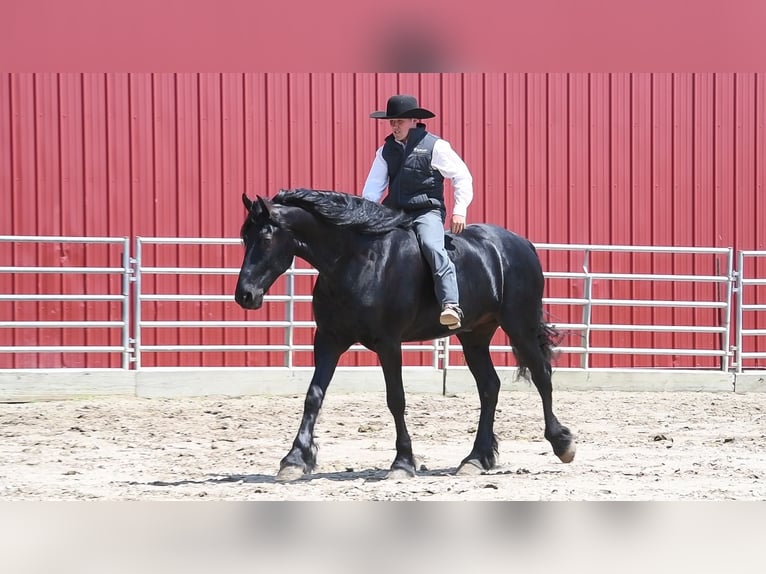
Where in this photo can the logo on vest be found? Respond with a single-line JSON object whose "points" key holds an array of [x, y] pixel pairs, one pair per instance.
{"points": [[419, 150]]}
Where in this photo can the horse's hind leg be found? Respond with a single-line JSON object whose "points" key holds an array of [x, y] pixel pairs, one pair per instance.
{"points": [[475, 344], [532, 347], [301, 459]]}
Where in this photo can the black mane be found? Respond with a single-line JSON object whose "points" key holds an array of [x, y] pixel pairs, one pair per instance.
{"points": [[345, 210]]}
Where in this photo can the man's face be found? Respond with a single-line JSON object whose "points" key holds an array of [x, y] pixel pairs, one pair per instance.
{"points": [[400, 128]]}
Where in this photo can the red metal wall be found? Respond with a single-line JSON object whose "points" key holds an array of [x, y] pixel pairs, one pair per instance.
{"points": [[645, 159]]}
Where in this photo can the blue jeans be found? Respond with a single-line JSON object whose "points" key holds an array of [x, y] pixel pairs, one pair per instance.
{"points": [[429, 229]]}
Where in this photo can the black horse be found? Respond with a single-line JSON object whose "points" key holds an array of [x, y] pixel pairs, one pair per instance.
{"points": [[374, 288]]}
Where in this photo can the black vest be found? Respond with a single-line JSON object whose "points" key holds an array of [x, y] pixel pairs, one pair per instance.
{"points": [[413, 185]]}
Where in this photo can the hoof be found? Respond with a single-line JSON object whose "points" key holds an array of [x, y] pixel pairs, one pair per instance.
{"points": [[290, 473], [399, 474], [568, 455], [470, 468]]}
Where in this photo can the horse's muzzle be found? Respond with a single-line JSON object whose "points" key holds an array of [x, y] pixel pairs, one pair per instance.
{"points": [[248, 297]]}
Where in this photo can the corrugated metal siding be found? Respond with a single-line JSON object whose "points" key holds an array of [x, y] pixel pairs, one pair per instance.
{"points": [[663, 159]]}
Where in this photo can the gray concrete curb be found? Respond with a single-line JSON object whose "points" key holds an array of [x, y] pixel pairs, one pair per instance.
{"points": [[56, 384]]}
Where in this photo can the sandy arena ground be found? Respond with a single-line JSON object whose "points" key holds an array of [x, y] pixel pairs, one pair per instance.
{"points": [[631, 446]]}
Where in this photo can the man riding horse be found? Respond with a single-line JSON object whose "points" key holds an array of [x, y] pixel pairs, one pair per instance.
{"points": [[413, 164]]}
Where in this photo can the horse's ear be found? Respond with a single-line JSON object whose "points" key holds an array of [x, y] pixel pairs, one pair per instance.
{"points": [[247, 202], [266, 206]]}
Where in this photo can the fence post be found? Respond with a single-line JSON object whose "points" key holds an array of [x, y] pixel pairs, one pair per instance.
{"points": [[137, 307], [586, 310], [290, 316], [740, 293], [726, 335], [127, 270], [445, 365]]}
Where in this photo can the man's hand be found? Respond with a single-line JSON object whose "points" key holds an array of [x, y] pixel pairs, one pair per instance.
{"points": [[458, 223]]}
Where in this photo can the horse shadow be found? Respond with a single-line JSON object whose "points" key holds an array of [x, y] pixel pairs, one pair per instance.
{"points": [[367, 475]]}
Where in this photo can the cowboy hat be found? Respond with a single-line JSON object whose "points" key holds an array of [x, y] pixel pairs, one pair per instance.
{"points": [[403, 106]]}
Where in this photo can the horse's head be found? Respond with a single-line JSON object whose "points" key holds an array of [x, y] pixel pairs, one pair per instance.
{"points": [[269, 251]]}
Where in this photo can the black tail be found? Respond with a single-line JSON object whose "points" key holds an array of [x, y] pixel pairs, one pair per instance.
{"points": [[547, 336]]}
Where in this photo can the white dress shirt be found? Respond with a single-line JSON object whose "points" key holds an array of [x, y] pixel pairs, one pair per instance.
{"points": [[444, 159]]}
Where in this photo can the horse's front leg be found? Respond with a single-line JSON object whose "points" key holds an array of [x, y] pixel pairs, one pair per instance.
{"points": [[483, 456], [301, 459], [391, 361]]}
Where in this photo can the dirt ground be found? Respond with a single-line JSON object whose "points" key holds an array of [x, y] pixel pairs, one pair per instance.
{"points": [[631, 446]]}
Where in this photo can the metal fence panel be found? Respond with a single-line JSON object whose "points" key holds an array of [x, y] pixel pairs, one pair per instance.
{"points": [[751, 310], [65, 302], [579, 312]]}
